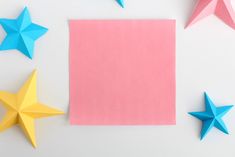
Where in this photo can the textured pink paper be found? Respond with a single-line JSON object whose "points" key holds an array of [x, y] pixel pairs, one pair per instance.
{"points": [[122, 72]]}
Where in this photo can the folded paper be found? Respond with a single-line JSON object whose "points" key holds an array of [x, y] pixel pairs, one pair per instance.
{"points": [[211, 117], [121, 3], [23, 107], [21, 34], [221, 8], [122, 72]]}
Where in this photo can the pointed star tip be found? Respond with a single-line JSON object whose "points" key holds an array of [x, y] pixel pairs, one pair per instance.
{"points": [[60, 113], [43, 30], [34, 145], [206, 96], [30, 57], [190, 113], [202, 137], [55, 112], [28, 53], [188, 24], [34, 73], [121, 3], [25, 10], [225, 130], [229, 107]]}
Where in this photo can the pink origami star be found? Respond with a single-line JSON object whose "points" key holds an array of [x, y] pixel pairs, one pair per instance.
{"points": [[221, 8]]}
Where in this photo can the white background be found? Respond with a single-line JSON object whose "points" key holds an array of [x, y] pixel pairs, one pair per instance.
{"points": [[205, 62]]}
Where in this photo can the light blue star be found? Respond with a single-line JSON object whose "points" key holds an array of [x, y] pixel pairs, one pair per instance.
{"points": [[212, 117], [121, 3], [21, 33]]}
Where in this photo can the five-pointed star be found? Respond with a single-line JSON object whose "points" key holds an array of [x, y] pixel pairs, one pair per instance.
{"points": [[23, 107], [21, 34], [121, 3], [221, 8], [212, 117]]}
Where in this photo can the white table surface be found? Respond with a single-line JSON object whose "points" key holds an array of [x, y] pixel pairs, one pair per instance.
{"points": [[205, 62]]}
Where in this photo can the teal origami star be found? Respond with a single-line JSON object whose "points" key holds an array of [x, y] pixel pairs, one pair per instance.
{"points": [[212, 117], [21, 34], [121, 3]]}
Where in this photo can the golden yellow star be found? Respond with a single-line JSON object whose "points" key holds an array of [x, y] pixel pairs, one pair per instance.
{"points": [[23, 107]]}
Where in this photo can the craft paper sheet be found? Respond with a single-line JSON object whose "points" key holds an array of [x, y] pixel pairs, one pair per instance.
{"points": [[122, 72]]}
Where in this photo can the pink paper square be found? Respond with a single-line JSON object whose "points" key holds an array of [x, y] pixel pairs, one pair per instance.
{"points": [[122, 72]]}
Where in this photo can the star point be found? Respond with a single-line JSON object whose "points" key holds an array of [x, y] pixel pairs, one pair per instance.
{"points": [[211, 117], [121, 3], [21, 33], [23, 107], [220, 8]]}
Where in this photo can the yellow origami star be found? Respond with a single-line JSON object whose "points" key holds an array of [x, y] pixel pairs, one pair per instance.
{"points": [[23, 107]]}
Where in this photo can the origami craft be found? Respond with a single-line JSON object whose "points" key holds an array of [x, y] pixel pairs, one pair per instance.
{"points": [[21, 34], [211, 117], [23, 107], [221, 8], [121, 3]]}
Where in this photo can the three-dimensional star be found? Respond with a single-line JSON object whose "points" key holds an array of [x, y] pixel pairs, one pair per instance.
{"points": [[21, 34], [23, 107], [221, 8], [121, 3], [212, 117]]}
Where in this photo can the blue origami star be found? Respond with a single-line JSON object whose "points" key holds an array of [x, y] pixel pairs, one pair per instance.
{"points": [[21, 34], [121, 3], [212, 117]]}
